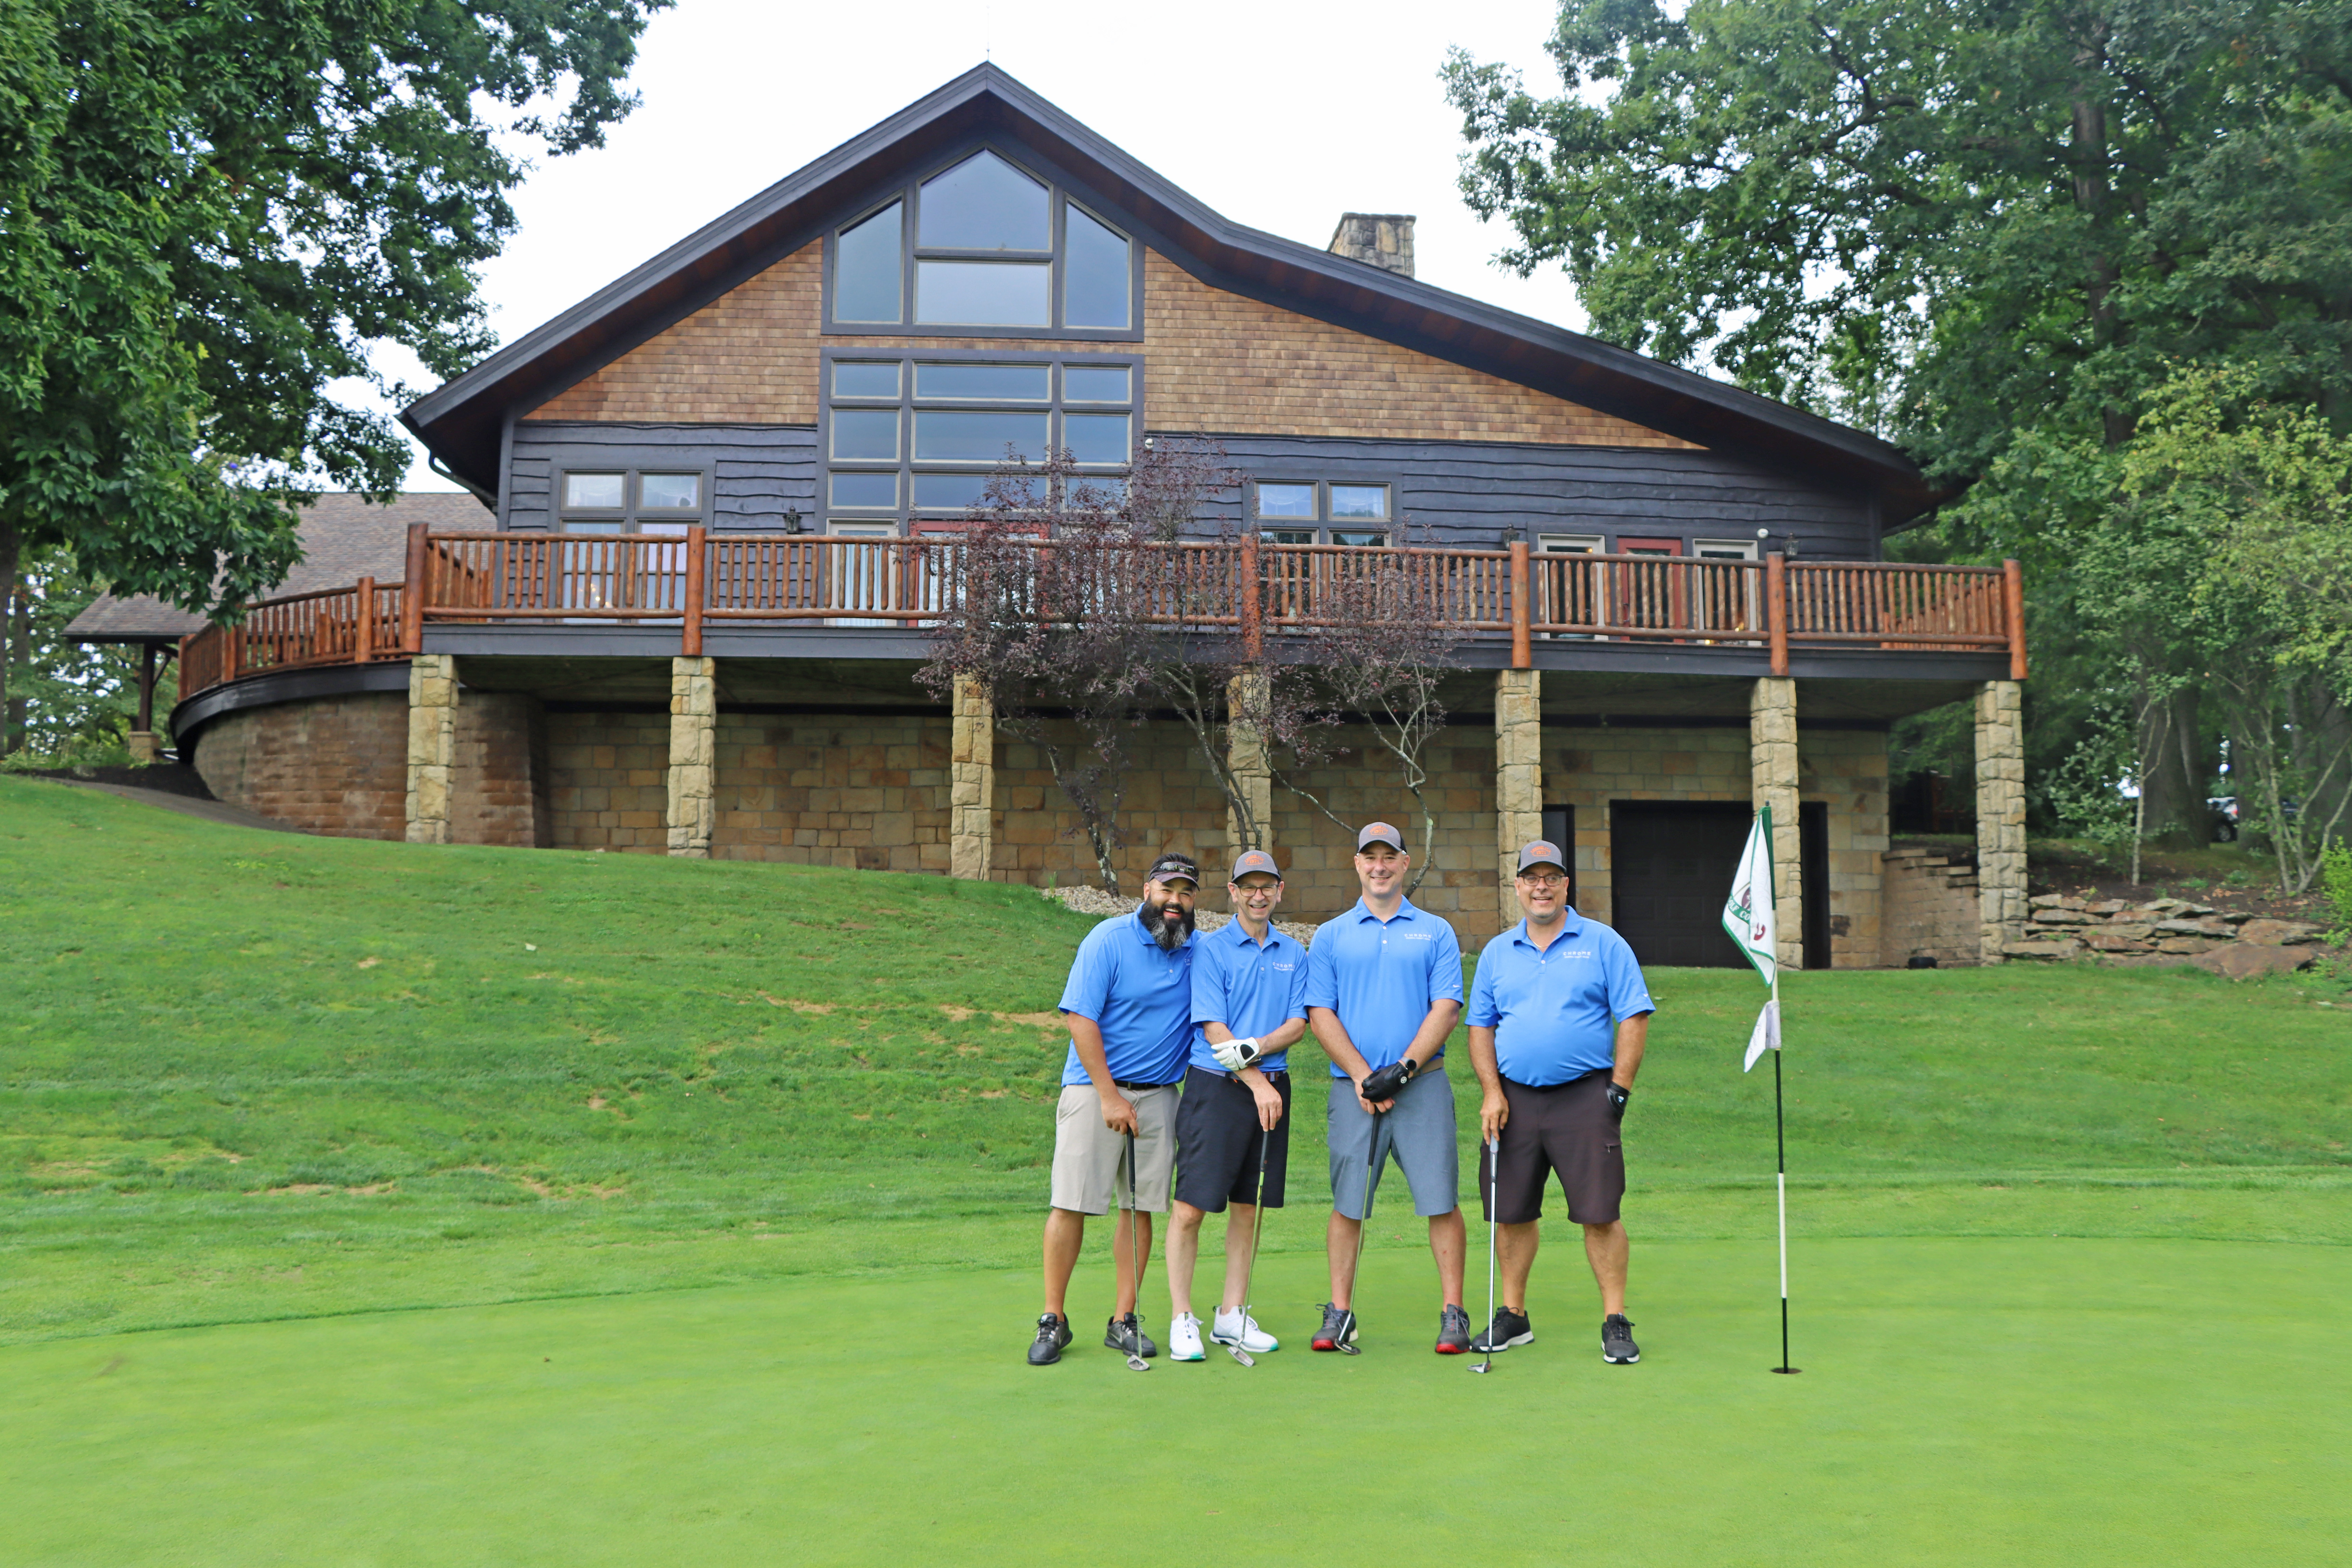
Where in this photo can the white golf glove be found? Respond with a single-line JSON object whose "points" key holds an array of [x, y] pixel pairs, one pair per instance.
{"points": [[1234, 1055]]}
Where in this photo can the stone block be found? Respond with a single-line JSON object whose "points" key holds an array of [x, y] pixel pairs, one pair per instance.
{"points": [[2246, 959], [2275, 933]]}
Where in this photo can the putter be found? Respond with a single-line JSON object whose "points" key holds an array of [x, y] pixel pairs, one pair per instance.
{"points": [[1348, 1345], [1135, 1361], [1494, 1190], [1257, 1224]]}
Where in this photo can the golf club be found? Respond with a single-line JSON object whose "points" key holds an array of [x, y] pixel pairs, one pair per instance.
{"points": [[1257, 1224], [1348, 1345], [1494, 1189], [1135, 1361]]}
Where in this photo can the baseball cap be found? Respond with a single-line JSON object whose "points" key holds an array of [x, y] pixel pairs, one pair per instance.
{"points": [[1173, 865], [1541, 853], [1255, 861], [1380, 832]]}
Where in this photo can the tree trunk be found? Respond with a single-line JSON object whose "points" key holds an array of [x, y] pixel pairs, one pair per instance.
{"points": [[2172, 746], [15, 645]]}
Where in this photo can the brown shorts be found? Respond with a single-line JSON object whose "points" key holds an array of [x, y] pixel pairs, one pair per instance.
{"points": [[1567, 1129]]}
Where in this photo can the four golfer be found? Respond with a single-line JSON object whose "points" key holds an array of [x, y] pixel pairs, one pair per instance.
{"points": [[1559, 1016], [1232, 1126]]}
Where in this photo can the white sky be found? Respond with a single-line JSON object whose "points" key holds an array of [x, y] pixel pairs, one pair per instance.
{"points": [[1279, 114]]}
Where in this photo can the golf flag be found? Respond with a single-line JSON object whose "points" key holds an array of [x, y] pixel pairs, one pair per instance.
{"points": [[1766, 1037], [1748, 917]]}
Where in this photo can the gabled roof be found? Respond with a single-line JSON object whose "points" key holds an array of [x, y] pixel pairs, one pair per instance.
{"points": [[344, 538], [461, 423]]}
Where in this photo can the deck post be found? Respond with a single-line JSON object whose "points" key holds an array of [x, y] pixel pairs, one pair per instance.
{"points": [[1772, 781], [1776, 612], [2012, 584], [1519, 779], [431, 745], [693, 755], [2001, 817], [690, 637], [363, 631], [1522, 612], [1253, 602], [412, 599], [971, 784]]}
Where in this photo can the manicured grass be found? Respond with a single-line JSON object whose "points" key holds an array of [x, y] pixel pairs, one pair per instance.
{"points": [[253, 1076]]}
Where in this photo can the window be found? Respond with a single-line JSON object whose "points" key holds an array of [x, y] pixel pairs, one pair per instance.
{"points": [[916, 435], [1724, 549], [629, 501], [983, 249], [1349, 511]]}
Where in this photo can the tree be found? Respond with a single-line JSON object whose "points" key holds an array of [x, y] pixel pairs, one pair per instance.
{"points": [[69, 703], [211, 214]]}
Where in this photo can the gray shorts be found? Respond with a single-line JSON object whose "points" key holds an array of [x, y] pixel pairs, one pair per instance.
{"points": [[1417, 1132], [1090, 1160]]}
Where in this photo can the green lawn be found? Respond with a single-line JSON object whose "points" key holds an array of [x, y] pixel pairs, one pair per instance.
{"points": [[754, 1156]]}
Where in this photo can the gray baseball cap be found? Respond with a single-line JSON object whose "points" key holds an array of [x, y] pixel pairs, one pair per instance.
{"points": [[1173, 865], [1255, 861], [1542, 852], [1380, 832]]}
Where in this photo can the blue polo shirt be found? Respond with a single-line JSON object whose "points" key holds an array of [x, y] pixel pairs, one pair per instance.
{"points": [[1380, 976], [1554, 1011], [1252, 989], [1139, 996]]}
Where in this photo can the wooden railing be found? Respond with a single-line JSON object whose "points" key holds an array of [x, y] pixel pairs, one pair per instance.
{"points": [[691, 578]]}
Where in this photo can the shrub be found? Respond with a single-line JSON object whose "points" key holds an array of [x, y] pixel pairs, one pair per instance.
{"points": [[2335, 876]]}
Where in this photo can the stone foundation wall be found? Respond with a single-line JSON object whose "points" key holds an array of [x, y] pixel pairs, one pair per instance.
{"points": [[608, 781], [336, 766], [497, 791], [1930, 907], [869, 794]]}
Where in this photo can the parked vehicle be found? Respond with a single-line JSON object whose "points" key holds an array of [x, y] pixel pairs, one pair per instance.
{"points": [[2224, 809]]}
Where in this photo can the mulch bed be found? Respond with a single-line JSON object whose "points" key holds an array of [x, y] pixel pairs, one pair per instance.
{"points": [[169, 778]]}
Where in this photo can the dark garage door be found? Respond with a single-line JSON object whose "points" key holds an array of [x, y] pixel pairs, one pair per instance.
{"points": [[1670, 864]]}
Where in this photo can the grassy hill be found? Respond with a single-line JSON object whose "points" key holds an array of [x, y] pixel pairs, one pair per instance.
{"points": [[248, 1076]]}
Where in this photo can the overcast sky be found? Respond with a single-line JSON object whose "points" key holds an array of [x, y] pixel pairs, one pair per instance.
{"points": [[1278, 114]]}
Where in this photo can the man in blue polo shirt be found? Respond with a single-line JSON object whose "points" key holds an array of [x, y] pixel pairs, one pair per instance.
{"points": [[1558, 1015], [1129, 1005], [1383, 990], [1232, 1126]]}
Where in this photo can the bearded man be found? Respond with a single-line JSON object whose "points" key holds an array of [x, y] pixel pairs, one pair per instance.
{"points": [[1129, 1005]]}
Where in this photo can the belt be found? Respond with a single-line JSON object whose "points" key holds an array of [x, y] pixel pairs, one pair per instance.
{"points": [[1122, 1083], [1565, 1083]]}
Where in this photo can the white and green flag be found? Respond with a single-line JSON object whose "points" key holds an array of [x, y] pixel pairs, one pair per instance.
{"points": [[1748, 917]]}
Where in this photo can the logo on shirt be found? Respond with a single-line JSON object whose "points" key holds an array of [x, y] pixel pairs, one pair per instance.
{"points": [[1416, 936], [1286, 967]]}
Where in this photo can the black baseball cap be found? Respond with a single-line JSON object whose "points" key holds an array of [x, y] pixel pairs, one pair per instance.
{"points": [[1173, 865], [1380, 832]]}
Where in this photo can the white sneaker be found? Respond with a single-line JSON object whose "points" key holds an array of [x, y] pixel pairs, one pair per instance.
{"points": [[1237, 1327], [1184, 1340]]}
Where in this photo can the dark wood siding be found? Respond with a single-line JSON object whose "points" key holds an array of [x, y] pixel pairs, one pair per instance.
{"points": [[1472, 494], [758, 473]]}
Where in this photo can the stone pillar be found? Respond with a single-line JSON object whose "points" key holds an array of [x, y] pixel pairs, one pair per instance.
{"points": [[143, 747], [971, 784], [2001, 817], [431, 745], [1245, 697], [1772, 781], [1519, 779], [693, 755]]}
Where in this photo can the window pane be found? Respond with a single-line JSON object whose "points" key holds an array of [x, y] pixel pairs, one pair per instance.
{"points": [[865, 433], [985, 204], [670, 492], [1285, 500], [1096, 437], [1094, 273], [602, 491], [1093, 384], [865, 263], [1358, 500], [1287, 535], [592, 528], [861, 378], [1010, 383], [981, 293], [959, 438], [941, 492], [866, 490], [1359, 536]]}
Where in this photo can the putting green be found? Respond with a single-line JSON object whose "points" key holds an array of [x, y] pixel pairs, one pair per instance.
{"points": [[1965, 1401]]}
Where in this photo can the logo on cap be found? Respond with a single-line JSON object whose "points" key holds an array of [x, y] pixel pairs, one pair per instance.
{"points": [[1255, 860], [1380, 832]]}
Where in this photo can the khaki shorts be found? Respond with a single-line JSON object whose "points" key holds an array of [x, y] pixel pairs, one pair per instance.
{"points": [[1090, 1160]]}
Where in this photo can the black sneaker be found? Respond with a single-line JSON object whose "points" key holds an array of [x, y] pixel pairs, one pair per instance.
{"points": [[1453, 1331], [1507, 1330], [1338, 1327], [1617, 1346], [1052, 1333], [1122, 1335]]}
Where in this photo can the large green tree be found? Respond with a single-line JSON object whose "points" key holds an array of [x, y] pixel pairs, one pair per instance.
{"points": [[1965, 224], [211, 212]]}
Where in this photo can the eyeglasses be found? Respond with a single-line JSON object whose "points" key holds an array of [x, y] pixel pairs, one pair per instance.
{"points": [[1545, 882]]}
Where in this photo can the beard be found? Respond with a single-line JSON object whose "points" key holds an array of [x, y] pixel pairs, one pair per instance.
{"points": [[1169, 934]]}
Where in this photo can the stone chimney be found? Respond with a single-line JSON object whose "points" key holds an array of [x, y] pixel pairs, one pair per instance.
{"points": [[1383, 239]]}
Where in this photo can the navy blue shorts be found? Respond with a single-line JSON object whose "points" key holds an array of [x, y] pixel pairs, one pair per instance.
{"points": [[1219, 1142]]}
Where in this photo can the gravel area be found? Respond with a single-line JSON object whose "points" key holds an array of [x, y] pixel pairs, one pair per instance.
{"points": [[1095, 901]]}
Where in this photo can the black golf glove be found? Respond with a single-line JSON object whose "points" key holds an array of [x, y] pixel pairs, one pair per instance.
{"points": [[1618, 1094], [1385, 1083]]}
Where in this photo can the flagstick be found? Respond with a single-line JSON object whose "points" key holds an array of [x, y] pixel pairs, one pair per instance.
{"points": [[1780, 1151]]}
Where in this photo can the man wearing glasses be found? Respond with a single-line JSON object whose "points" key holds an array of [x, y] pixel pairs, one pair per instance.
{"points": [[1558, 1015]]}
